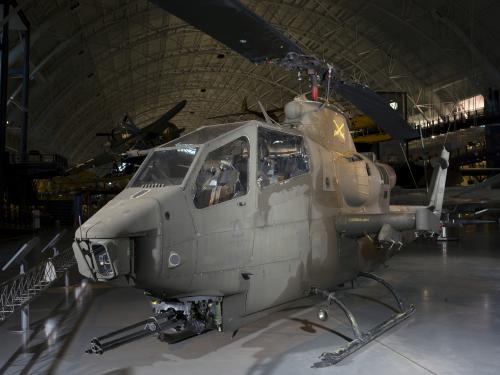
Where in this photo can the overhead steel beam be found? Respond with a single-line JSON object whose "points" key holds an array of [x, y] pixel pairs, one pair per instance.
{"points": [[489, 68]]}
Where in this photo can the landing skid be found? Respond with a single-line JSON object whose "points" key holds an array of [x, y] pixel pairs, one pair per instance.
{"points": [[361, 338]]}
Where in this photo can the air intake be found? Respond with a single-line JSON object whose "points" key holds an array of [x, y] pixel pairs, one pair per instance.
{"points": [[150, 186]]}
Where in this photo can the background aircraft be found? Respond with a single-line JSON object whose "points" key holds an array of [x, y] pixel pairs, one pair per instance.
{"points": [[128, 137], [459, 199]]}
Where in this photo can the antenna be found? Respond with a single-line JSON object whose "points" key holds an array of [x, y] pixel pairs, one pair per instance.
{"points": [[269, 120], [80, 223], [328, 85]]}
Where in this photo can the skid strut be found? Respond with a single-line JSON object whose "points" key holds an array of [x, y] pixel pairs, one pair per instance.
{"points": [[150, 326], [361, 338]]}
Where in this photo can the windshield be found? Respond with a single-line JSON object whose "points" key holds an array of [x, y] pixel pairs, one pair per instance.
{"points": [[165, 167], [205, 134]]}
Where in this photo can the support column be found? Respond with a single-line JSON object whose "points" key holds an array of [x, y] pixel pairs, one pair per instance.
{"points": [[25, 310], [4, 70], [26, 83]]}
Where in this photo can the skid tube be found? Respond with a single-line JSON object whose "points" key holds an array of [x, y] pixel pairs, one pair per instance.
{"points": [[122, 336], [361, 338]]}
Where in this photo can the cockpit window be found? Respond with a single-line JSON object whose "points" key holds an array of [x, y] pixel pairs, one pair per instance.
{"points": [[281, 157], [165, 167], [223, 175], [205, 134]]}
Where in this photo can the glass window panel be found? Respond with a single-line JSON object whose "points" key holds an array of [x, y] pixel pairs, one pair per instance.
{"points": [[223, 175], [204, 134], [281, 157], [165, 167]]}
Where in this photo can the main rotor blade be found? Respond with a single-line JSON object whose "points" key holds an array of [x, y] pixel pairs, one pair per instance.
{"points": [[233, 24], [376, 107]]}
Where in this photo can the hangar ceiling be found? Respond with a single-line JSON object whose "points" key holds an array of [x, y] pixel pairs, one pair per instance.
{"points": [[94, 60]]}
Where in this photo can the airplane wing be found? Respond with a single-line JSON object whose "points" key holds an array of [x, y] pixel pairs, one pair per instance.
{"points": [[486, 193], [96, 161], [160, 125], [150, 132]]}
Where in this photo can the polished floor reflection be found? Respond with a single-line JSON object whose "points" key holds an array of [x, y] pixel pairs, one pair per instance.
{"points": [[456, 329]]}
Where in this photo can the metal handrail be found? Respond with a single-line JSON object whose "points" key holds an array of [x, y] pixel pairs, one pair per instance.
{"points": [[22, 289]]}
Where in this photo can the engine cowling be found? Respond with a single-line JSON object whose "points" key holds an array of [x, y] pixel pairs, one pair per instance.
{"points": [[364, 181], [359, 180], [387, 173]]}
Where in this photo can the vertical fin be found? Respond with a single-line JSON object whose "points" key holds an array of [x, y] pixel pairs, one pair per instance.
{"points": [[438, 183]]}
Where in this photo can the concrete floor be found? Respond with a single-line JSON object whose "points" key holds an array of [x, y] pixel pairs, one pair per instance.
{"points": [[455, 330]]}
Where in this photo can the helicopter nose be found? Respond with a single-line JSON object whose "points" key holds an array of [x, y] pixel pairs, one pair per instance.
{"points": [[104, 245], [126, 218]]}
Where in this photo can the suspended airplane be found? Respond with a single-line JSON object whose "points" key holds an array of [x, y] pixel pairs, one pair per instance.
{"points": [[127, 138], [237, 219], [245, 110], [464, 199]]}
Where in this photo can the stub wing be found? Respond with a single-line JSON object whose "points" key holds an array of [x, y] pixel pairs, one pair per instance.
{"points": [[394, 226]]}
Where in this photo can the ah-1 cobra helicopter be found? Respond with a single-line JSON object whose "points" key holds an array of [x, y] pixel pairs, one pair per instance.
{"points": [[235, 219]]}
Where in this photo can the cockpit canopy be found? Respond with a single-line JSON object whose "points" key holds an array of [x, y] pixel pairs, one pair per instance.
{"points": [[222, 172], [205, 134], [169, 163], [165, 167]]}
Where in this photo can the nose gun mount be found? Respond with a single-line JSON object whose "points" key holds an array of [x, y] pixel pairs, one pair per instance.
{"points": [[172, 321]]}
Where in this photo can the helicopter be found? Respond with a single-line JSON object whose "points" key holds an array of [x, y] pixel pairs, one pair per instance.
{"points": [[233, 220]]}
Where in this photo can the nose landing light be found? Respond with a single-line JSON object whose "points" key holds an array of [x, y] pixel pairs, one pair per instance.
{"points": [[174, 259], [103, 262]]}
